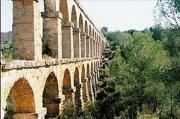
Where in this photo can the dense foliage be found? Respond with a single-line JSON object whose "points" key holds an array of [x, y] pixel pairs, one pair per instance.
{"points": [[6, 50], [167, 13], [142, 80]]}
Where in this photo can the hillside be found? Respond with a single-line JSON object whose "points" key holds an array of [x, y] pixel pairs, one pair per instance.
{"points": [[6, 36]]}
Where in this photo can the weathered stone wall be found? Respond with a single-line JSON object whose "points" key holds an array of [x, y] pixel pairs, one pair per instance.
{"points": [[26, 30], [64, 30], [55, 72], [36, 74]]}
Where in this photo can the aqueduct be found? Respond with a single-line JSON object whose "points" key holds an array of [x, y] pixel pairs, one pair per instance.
{"points": [[53, 73]]}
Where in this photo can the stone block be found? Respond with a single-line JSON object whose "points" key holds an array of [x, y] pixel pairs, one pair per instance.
{"points": [[25, 116]]}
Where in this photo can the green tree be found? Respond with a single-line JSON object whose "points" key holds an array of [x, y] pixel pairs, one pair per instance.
{"points": [[135, 77], [168, 12], [104, 31]]}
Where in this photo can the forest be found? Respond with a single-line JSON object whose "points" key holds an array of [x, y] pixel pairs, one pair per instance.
{"points": [[140, 76]]}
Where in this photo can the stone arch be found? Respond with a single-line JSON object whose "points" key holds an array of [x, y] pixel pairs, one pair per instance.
{"points": [[88, 70], [68, 105], [66, 81], [87, 40], [89, 82], [76, 77], [51, 98], [93, 78], [95, 66], [91, 41], [98, 46], [64, 10], [67, 31], [83, 44], [78, 103], [92, 71], [20, 101], [84, 87], [97, 36], [81, 23], [76, 34], [86, 28], [90, 32], [93, 33], [74, 16]]}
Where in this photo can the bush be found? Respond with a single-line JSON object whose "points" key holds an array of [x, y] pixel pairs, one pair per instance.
{"points": [[7, 50]]}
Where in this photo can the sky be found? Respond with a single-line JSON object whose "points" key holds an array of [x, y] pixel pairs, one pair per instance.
{"points": [[114, 14]]}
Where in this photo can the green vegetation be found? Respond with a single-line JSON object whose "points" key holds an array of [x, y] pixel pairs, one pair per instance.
{"points": [[167, 13], [142, 79], [6, 50]]}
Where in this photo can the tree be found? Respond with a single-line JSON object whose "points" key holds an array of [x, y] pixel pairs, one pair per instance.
{"points": [[135, 77], [168, 13], [156, 32], [104, 31]]}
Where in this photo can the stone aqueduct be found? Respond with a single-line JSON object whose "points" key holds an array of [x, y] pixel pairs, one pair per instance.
{"points": [[53, 73]]}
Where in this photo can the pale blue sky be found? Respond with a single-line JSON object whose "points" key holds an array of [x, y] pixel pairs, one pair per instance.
{"points": [[114, 14]]}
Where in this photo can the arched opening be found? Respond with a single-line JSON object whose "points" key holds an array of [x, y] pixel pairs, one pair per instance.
{"points": [[81, 23], [87, 45], [76, 33], [98, 47], [92, 71], [83, 38], [51, 39], [93, 78], [78, 103], [68, 105], [95, 35], [90, 33], [90, 41], [95, 68], [74, 16], [84, 84], [50, 96], [89, 82], [86, 28], [96, 75], [94, 44], [67, 31], [92, 47], [20, 101], [64, 10]]}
